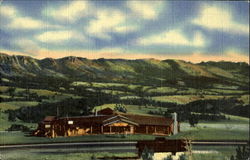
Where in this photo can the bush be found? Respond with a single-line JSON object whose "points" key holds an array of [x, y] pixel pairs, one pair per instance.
{"points": [[242, 153], [183, 157], [169, 157], [147, 154], [18, 127], [120, 108]]}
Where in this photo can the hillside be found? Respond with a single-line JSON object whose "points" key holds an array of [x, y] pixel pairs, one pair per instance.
{"points": [[141, 71]]}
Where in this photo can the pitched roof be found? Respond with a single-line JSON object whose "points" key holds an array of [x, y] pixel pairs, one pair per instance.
{"points": [[49, 118], [106, 111], [149, 120], [118, 116]]}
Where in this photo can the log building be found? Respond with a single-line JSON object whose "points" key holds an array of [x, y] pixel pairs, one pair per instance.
{"points": [[107, 121]]}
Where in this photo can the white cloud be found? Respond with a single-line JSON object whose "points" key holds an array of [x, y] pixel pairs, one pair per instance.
{"points": [[70, 13], [25, 23], [212, 17], [146, 9], [173, 37], [18, 21], [28, 46], [108, 21], [8, 11], [59, 36]]}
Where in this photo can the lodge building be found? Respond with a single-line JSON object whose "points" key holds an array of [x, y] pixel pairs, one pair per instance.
{"points": [[107, 121]]}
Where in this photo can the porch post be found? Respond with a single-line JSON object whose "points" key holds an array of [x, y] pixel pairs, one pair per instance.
{"points": [[101, 129], [132, 129], [155, 129], [110, 130], [91, 129], [146, 129]]}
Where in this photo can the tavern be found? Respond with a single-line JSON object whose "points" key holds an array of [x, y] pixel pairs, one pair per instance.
{"points": [[107, 121]]}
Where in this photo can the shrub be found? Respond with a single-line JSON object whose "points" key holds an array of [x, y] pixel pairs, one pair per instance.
{"points": [[18, 127], [147, 154], [169, 157], [183, 157], [242, 153]]}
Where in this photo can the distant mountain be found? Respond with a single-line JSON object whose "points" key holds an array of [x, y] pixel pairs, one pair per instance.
{"points": [[146, 71]]}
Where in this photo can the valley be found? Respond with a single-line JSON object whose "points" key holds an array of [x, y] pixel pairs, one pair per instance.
{"points": [[215, 94]]}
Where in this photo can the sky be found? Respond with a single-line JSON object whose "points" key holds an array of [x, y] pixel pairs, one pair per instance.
{"points": [[188, 30]]}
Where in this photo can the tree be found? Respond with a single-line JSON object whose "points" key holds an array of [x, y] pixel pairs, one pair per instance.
{"points": [[147, 154], [120, 108], [242, 153], [12, 115], [193, 120], [11, 91]]}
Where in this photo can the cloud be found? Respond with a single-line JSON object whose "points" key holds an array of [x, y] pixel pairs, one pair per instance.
{"points": [[212, 17], [59, 36], [8, 11], [18, 21], [173, 37], [108, 21], [145, 9], [26, 23], [27, 46], [70, 13]]}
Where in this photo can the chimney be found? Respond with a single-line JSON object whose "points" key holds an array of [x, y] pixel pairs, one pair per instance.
{"points": [[175, 123], [95, 112]]}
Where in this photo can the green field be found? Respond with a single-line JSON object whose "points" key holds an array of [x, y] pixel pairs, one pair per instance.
{"points": [[220, 152], [20, 138], [17, 104], [55, 154], [199, 153], [184, 99], [213, 134], [5, 124]]}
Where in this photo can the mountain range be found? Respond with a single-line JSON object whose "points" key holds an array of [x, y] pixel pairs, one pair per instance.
{"points": [[145, 71]]}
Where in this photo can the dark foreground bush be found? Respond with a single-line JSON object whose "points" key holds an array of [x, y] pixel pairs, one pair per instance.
{"points": [[18, 127]]}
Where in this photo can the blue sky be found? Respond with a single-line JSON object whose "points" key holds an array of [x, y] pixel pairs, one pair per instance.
{"points": [[189, 30]]}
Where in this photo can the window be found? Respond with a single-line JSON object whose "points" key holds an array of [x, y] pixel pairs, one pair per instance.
{"points": [[47, 125], [70, 122]]}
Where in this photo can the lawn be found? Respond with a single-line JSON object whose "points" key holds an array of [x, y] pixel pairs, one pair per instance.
{"points": [[199, 153], [213, 134], [55, 154], [184, 99], [97, 85], [228, 91], [162, 90], [17, 104], [245, 99], [21, 138], [222, 152]]}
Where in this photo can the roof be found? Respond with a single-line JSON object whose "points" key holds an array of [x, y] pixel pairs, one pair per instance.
{"points": [[116, 117], [87, 119], [149, 120], [49, 118], [106, 111]]}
